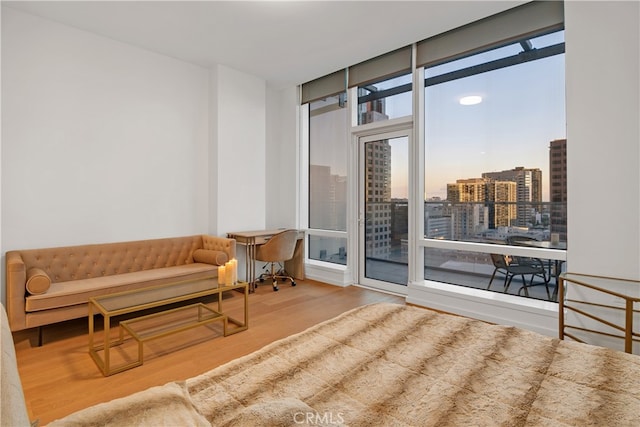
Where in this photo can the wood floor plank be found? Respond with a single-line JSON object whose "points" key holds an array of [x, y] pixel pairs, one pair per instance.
{"points": [[60, 377]]}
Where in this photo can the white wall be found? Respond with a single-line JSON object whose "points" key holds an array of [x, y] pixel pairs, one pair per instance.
{"points": [[603, 155], [603, 137], [240, 108], [282, 165], [101, 141], [237, 160]]}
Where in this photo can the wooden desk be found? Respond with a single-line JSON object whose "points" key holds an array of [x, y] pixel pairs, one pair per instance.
{"points": [[251, 239]]}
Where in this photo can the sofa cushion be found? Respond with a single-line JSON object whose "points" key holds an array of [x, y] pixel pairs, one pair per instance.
{"points": [[38, 282], [64, 294], [210, 256]]}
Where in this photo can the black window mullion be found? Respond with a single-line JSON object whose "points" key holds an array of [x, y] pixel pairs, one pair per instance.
{"points": [[521, 58]]}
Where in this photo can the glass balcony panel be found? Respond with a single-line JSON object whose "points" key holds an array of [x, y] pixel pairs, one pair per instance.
{"points": [[475, 270], [328, 249]]}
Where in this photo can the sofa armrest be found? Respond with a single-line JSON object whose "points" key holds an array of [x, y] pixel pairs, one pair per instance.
{"points": [[223, 244], [16, 281]]}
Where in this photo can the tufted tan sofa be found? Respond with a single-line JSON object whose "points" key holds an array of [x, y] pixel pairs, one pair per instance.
{"points": [[50, 285]]}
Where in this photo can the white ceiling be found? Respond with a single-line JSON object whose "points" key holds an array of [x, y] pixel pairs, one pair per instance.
{"points": [[283, 42]]}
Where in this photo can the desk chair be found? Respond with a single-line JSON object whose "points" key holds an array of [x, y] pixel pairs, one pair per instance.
{"points": [[279, 248]]}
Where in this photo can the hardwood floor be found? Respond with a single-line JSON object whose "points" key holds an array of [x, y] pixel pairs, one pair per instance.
{"points": [[60, 377]]}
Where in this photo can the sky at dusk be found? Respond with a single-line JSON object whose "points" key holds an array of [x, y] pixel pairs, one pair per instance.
{"points": [[522, 110]]}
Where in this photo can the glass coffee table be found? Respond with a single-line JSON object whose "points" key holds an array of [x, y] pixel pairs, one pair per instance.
{"points": [[190, 316]]}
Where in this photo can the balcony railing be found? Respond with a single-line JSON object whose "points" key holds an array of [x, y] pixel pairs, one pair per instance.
{"points": [[538, 225]]}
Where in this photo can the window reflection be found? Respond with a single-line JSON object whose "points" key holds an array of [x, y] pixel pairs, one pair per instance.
{"points": [[328, 178]]}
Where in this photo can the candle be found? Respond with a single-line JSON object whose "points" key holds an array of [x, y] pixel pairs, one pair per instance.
{"points": [[228, 270], [221, 275], [234, 263]]}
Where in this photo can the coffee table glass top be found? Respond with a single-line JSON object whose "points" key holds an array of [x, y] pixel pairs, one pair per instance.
{"points": [[148, 297]]}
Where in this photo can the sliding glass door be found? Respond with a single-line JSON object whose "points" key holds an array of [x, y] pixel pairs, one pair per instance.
{"points": [[383, 211]]}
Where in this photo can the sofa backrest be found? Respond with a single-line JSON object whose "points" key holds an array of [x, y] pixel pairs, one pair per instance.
{"points": [[87, 261]]}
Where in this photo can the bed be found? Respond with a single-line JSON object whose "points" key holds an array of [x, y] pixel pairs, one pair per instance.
{"points": [[397, 365]]}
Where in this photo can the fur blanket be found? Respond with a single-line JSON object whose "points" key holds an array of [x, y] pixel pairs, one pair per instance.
{"points": [[395, 365]]}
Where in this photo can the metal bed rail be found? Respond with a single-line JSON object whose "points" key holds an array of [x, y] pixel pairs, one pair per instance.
{"points": [[589, 281]]}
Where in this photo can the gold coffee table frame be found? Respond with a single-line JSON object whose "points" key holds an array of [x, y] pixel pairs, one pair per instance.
{"points": [[157, 296]]}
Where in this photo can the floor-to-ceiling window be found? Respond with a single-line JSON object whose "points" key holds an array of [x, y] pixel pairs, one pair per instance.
{"points": [[494, 140], [486, 154], [328, 136]]}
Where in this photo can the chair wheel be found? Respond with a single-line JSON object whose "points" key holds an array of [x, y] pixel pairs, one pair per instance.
{"points": [[293, 283], [275, 288]]}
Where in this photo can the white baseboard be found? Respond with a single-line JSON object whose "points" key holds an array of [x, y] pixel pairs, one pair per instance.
{"points": [[534, 315], [334, 274]]}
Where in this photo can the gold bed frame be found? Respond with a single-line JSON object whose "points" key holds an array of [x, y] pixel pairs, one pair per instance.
{"points": [[596, 283]]}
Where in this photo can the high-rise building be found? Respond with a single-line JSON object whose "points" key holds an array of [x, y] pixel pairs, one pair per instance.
{"points": [[377, 186], [558, 187], [468, 211], [481, 203], [467, 190], [377, 182], [528, 192], [503, 194]]}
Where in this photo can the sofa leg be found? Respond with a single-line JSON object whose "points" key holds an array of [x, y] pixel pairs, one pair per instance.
{"points": [[40, 334]]}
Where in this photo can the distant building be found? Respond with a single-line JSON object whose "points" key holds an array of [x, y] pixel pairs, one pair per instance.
{"points": [[399, 220], [503, 194], [371, 111], [437, 224], [528, 192], [558, 187], [468, 209], [467, 190], [478, 204], [378, 198]]}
